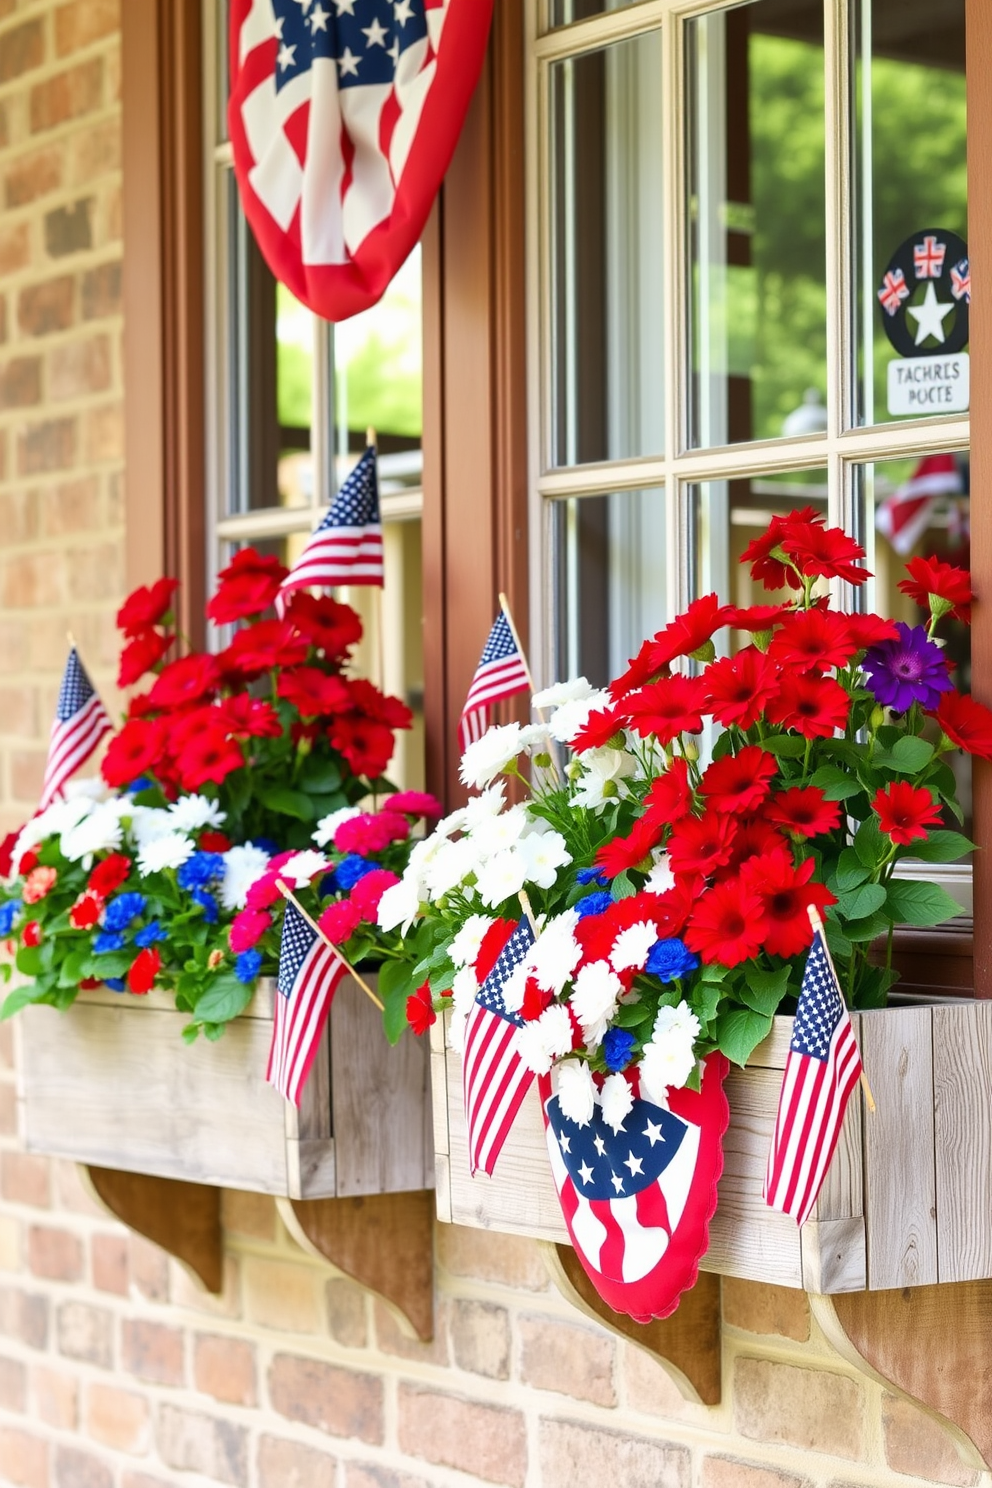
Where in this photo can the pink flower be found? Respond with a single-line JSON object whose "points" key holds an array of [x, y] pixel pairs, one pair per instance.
{"points": [[38, 883], [340, 921], [247, 929], [265, 891], [369, 890], [415, 803], [370, 833]]}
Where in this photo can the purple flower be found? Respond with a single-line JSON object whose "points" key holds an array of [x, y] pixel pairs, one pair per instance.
{"points": [[907, 671]]}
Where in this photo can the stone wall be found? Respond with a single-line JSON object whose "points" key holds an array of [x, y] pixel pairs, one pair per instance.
{"points": [[115, 1371]]}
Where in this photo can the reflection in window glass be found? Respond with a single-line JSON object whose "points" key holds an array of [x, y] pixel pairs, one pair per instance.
{"points": [[564, 12], [609, 580], [607, 357], [757, 221], [910, 165]]}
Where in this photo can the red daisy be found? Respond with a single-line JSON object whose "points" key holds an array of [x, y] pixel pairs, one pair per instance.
{"points": [[260, 647], [420, 1012], [803, 811], [188, 680], [597, 933], [249, 718], [727, 925], [699, 844], [109, 874], [757, 617], [208, 755], [146, 606], [144, 969], [133, 752], [870, 630], [667, 708], [738, 687], [689, 633], [931, 579], [786, 895], [760, 551], [824, 552], [967, 723], [640, 669], [755, 836], [86, 911], [248, 585], [332, 627], [144, 651], [813, 641], [365, 744], [367, 698], [905, 812], [669, 797], [739, 782], [313, 692], [813, 706], [599, 728], [629, 852]]}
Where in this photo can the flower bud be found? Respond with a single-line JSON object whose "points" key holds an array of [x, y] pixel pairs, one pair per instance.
{"points": [[609, 788], [877, 718], [543, 760], [214, 959], [690, 750]]}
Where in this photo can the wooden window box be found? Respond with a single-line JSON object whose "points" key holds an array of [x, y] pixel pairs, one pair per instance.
{"points": [[905, 1202], [110, 1084]]}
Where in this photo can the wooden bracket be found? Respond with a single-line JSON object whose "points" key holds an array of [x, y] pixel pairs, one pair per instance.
{"points": [[686, 1345], [385, 1242], [183, 1218], [930, 1344]]}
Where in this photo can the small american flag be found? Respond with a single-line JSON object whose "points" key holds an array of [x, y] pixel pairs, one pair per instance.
{"points": [[309, 973], [494, 1077], [80, 723], [347, 546], [501, 672], [822, 1069]]}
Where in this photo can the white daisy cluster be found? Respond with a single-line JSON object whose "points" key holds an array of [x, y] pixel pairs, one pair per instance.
{"points": [[599, 775]]}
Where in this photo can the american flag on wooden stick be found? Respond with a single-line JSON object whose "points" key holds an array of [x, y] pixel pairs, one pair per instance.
{"points": [[822, 1069], [502, 671], [309, 975], [347, 546], [81, 721], [494, 1077]]}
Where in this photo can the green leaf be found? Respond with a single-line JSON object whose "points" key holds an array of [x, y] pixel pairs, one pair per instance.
{"points": [[867, 929], [71, 971], [19, 998], [740, 1031], [763, 991], [225, 998], [840, 946], [869, 844], [942, 847], [785, 746], [287, 802], [850, 870], [624, 886], [318, 777], [908, 756], [191, 1033], [396, 984], [28, 960], [910, 902], [110, 964], [860, 902], [835, 783]]}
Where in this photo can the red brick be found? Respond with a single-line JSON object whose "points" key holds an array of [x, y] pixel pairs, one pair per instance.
{"points": [[13, 1385], [56, 1397], [812, 1409], [917, 1444], [224, 1368], [70, 507], [371, 1475], [341, 1402], [23, 1458], [728, 1472], [486, 1441], [480, 1338], [103, 434], [393, 1340], [46, 307], [21, 48], [286, 1464], [72, 1193], [33, 176], [20, 383], [19, 508], [149, 1267], [24, 1316], [50, 445], [568, 1358], [54, 1254], [15, 248], [346, 1312], [69, 229], [203, 1444], [758, 1307], [94, 151], [67, 95], [76, 1469], [83, 22], [79, 368], [118, 1419], [153, 1352], [101, 291], [25, 1179], [577, 1456], [483, 1256], [85, 1333], [109, 1259], [8, 1109]]}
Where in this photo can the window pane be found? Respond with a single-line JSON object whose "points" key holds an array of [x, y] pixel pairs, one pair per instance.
{"points": [[609, 580], [564, 12], [910, 147], [756, 221], [607, 357]]}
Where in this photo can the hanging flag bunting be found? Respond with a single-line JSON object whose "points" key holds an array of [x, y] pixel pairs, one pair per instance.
{"points": [[80, 723], [905, 515], [343, 118]]}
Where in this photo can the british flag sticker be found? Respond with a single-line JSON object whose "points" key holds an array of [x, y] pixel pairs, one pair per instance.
{"points": [[924, 297]]}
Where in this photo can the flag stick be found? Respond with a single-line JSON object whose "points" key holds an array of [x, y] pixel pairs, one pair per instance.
{"points": [[287, 893], [505, 607], [72, 640], [372, 442], [817, 924], [525, 905]]}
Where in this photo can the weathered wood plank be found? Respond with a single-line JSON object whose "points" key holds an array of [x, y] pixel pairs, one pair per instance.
{"points": [[962, 1078], [900, 1179], [835, 1255]]}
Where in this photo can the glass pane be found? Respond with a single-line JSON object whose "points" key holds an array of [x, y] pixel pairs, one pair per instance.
{"points": [[564, 12], [609, 580], [606, 152], [910, 147], [756, 222]]}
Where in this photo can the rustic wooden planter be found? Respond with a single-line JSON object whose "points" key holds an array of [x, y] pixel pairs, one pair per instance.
{"points": [[110, 1084], [908, 1198]]}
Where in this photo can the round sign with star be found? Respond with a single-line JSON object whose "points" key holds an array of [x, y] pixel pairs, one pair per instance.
{"points": [[925, 294]]}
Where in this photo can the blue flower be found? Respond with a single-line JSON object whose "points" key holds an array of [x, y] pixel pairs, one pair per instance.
{"points": [[149, 934], [199, 870], [592, 875], [248, 965], [618, 1045], [208, 904], [668, 959], [907, 671], [142, 783], [107, 940], [351, 869], [593, 904], [328, 886], [115, 984], [122, 910], [267, 845], [8, 914]]}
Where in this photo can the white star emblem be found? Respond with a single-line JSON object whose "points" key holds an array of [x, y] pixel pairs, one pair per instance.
{"points": [[930, 316], [653, 1132], [617, 1181], [304, 5], [376, 34], [345, 7], [402, 11], [634, 1164], [565, 1143], [585, 1173], [286, 57], [348, 63], [599, 1145], [280, 22], [393, 52], [319, 19]]}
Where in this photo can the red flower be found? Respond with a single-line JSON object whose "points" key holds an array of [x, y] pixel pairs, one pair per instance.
{"points": [[772, 572], [133, 752], [372, 832], [629, 852], [209, 755], [803, 811], [247, 928], [366, 745], [738, 687], [188, 680], [596, 933], [144, 969], [813, 641], [249, 718], [785, 895], [329, 626], [248, 586], [7, 852], [599, 728], [667, 708], [905, 812], [420, 1012], [415, 803], [39, 884], [727, 925], [260, 647], [689, 632], [739, 782], [32, 934], [29, 860], [640, 670], [313, 692], [967, 723], [109, 874], [141, 654], [216, 842], [535, 1001], [757, 617], [670, 795], [367, 699], [870, 630], [824, 552], [699, 844], [340, 920], [265, 891], [930, 576], [369, 890], [754, 837], [813, 706], [146, 606]]}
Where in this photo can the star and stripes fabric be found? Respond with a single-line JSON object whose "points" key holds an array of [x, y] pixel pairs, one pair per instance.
{"points": [[821, 1071], [907, 512], [343, 117], [80, 722], [494, 1077], [309, 976], [347, 546], [501, 672]]}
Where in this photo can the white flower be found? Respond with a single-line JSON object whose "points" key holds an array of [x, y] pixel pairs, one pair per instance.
{"points": [[487, 803], [168, 851], [556, 953], [535, 736], [399, 904], [496, 832], [449, 865], [544, 853], [149, 822], [451, 823], [100, 831], [92, 788], [560, 693], [576, 1091], [631, 947], [570, 717], [490, 755], [468, 942], [328, 825], [242, 866], [545, 1039], [617, 1100], [190, 813], [604, 771], [502, 877], [59, 817], [594, 999], [303, 867], [679, 1020], [668, 1058], [464, 989], [661, 878]]}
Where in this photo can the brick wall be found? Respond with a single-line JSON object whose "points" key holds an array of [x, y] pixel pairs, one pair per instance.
{"points": [[115, 1371]]}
